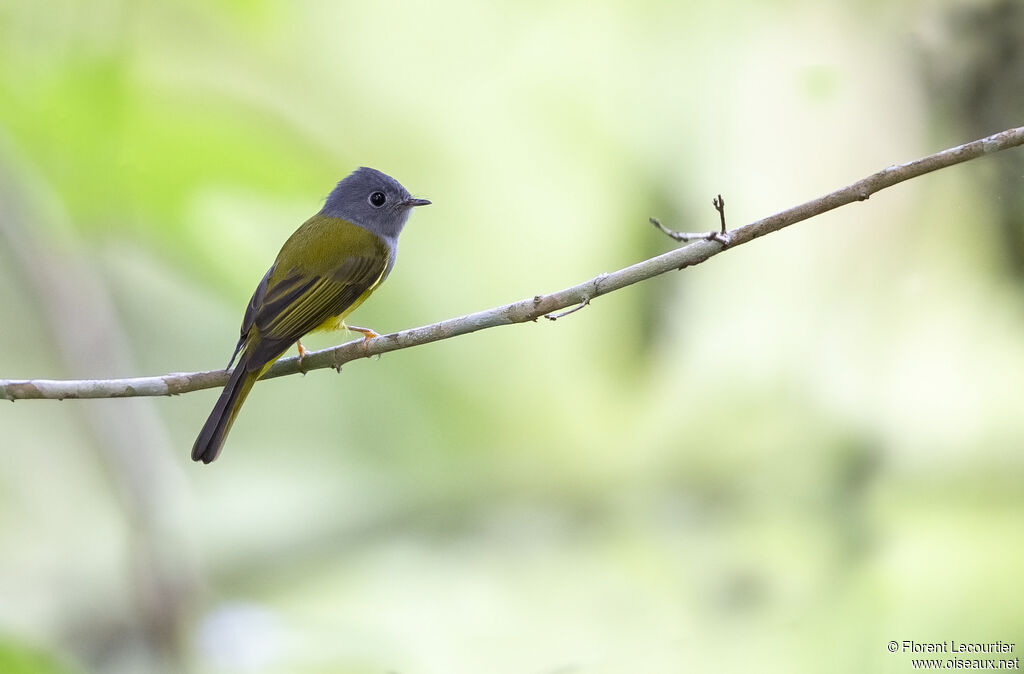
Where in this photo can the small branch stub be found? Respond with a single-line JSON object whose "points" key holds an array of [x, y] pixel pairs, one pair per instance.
{"points": [[719, 204], [721, 237]]}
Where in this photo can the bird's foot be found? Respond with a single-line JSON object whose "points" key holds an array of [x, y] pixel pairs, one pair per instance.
{"points": [[367, 334], [303, 352]]}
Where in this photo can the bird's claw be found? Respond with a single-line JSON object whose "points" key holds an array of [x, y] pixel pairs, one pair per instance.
{"points": [[303, 352]]}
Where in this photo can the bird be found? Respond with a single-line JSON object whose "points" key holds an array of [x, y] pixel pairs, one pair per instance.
{"points": [[324, 271]]}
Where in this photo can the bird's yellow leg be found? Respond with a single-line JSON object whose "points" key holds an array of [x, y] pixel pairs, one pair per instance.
{"points": [[303, 351]]}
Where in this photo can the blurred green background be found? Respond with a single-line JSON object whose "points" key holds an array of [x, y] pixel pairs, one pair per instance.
{"points": [[777, 461]]}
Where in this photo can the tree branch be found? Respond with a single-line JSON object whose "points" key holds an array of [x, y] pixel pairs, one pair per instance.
{"points": [[524, 310]]}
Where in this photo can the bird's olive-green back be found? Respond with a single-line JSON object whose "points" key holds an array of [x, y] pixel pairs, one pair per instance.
{"points": [[321, 246]]}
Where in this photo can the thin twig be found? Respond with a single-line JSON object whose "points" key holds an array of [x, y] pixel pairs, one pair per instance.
{"points": [[721, 237], [555, 317], [529, 309]]}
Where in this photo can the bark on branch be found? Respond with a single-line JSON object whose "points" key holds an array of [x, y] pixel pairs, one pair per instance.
{"points": [[528, 309]]}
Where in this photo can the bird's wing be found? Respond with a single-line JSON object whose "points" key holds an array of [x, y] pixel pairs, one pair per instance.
{"points": [[287, 306]]}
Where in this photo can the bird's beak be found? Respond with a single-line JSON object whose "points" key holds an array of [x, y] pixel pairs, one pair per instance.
{"points": [[410, 202]]}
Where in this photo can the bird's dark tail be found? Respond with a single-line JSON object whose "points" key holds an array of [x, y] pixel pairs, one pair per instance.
{"points": [[216, 428]]}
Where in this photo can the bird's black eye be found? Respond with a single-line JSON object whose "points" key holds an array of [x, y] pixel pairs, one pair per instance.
{"points": [[377, 199]]}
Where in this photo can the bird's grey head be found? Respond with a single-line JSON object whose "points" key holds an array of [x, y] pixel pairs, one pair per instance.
{"points": [[373, 200]]}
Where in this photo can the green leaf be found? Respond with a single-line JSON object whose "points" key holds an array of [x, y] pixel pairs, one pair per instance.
{"points": [[19, 658]]}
